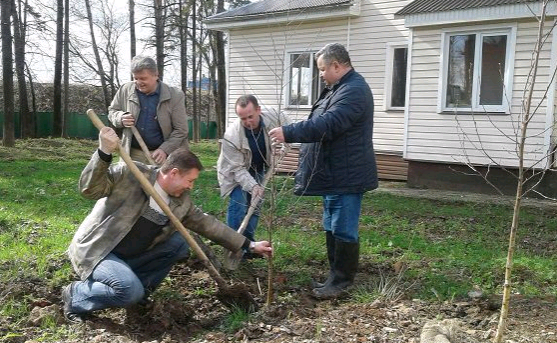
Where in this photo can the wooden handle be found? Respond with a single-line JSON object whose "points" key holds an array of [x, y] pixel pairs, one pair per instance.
{"points": [[232, 259], [163, 205], [143, 146]]}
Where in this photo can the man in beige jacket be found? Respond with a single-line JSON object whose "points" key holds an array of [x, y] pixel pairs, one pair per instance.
{"points": [[157, 110], [126, 246], [244, 158]]}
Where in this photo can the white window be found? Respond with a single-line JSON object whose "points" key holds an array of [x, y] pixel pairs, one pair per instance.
{"points": [[477, 70], [395, 76], [303, 82]]}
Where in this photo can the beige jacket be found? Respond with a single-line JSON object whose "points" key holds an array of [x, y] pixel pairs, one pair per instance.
{"points": [[235, 156], [120, 202], [171, 115]]}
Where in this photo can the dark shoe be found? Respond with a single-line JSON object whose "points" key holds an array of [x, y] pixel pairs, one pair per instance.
{"points": [[329, 292], [70, 316], [330, 240], [343, 271]]}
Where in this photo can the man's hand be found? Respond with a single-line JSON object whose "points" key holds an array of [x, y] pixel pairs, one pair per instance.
{"points": [[159, 156], [263, 248], [256, 195], [108, 140], [276, 134], [128, 120]]}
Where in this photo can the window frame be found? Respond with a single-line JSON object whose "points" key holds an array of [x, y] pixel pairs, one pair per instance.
{"points": [[479, 32], [288, 78], [389, 66]]}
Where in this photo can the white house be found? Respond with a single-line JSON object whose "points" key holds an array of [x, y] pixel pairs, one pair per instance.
{"points": [[469, 65], [448, 78], [271, 44]]}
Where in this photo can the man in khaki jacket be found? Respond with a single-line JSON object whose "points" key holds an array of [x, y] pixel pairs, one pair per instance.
{"points": [[125, 247], [244, 158], [157, 110]]}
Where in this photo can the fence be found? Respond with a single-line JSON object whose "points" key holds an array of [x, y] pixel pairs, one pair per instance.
{"points": [[79, 126]]}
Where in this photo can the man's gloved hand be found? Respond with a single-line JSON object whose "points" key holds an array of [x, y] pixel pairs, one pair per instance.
{"points": [[256, 195]]}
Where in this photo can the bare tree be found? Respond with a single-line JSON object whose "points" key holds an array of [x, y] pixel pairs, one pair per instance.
{"points": [[220, 62], [8, 131], [19, 23], [99, 64], [160, 35], [194, 66], [133, 39], [66, 64], [58, 128]]}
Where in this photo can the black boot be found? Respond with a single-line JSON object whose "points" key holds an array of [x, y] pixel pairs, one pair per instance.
{"points": [[330, 240], [343, 272]]}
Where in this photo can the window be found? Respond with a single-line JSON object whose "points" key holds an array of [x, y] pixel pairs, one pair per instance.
{"points": [[395, 78], [304, 84], [477, 71]]}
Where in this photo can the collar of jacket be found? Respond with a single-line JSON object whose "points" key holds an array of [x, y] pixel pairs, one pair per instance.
{"points": [[343, 79]]}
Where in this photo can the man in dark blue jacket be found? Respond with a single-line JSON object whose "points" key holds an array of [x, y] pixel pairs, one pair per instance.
{"points": [[336, 161]]}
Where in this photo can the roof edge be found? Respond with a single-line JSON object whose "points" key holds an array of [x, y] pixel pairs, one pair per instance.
{"points": [[481, 14], [350, 9]]}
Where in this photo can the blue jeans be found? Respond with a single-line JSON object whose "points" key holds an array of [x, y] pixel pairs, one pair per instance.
{"points": [[341, 215], [238, 207], [120, 283]]}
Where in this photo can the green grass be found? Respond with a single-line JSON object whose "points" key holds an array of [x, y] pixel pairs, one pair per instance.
{"points": [[447, 247]]}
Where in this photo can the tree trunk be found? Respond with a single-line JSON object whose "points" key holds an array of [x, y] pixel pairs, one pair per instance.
{"points": [[220, 96], [26, 117], [159, 36], [57, 101], [100, 69], [195, 114], [183, 29], [133, 42], [8, 131], [66, 66]]}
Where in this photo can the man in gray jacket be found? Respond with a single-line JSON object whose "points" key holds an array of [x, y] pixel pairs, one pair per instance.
{"points": [[126, 246], [157, 110], [244, 158]]}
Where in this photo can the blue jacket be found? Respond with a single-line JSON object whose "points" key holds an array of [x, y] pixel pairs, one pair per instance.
{"points": [[338, 156]]}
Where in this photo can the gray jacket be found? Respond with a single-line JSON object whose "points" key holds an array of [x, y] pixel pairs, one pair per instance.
{"points": [[171, 115], [120, 202], [235, 156]]}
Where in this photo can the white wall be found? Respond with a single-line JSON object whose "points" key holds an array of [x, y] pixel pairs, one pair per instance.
{"points": [[256, 61], [479, 138]]}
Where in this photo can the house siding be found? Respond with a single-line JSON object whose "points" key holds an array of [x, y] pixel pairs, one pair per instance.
{"points": [[256, 61], [477, 139]]}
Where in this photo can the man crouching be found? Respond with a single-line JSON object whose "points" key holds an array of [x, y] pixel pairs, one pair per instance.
{"points": [[126, 246]]}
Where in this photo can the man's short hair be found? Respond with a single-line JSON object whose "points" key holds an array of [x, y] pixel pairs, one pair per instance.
{"points": [[334, 52], [140, 63], [182, 159], [244, 101]]}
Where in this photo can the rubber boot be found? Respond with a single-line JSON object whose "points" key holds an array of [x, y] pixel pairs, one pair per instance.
{"points": [[330, 241], [344, 270]]}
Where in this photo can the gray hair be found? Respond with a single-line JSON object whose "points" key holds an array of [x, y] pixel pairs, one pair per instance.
{"points": [[140, 63], [244, 100], [334, 52]]}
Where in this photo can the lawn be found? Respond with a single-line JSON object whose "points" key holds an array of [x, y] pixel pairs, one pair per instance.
{"points": [[432, 250]]}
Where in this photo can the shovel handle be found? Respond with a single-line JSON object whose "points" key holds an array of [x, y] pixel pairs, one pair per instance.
{"points": [[232, 259], [163, 205], [143, 146]]}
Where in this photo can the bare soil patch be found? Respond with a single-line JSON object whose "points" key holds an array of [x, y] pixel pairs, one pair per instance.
{"points": [[197, 316]]}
